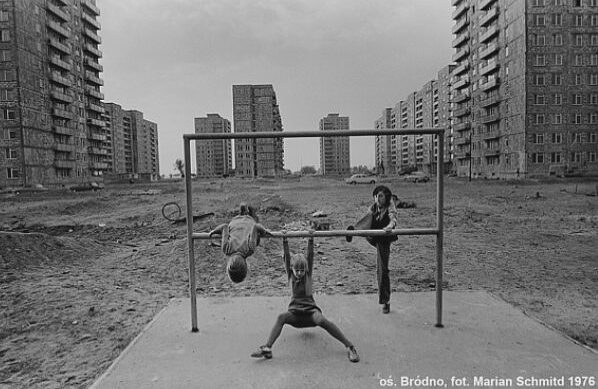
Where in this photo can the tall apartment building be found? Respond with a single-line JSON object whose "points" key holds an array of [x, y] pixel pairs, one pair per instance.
{"points": [[383, 144], [255, 109], [132, 144], [51, 128], [526, 87], [214, 157], [335, 156]]}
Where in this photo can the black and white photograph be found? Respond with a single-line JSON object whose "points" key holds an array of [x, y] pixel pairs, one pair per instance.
{"points": [[298, 194]]}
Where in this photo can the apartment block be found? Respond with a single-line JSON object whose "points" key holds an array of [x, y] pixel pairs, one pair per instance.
{"points": [[255, 109], [132, 141], [384, 144], [51, 128], [213, 156], [526, 87], [335, 156]]}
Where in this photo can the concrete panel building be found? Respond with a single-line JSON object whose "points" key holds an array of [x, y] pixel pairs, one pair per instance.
{"points": [[255, 109], [335, 156], [213, 156], [526, 87], [383, 144], [132, 141], [51, 127]]}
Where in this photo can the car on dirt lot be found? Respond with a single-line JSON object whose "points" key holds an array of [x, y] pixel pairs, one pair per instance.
{"points": [[417, 177], [361, 179], [87, 186]]}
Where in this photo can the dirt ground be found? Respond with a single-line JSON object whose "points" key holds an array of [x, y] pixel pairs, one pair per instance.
{"points": [[82, 273]]}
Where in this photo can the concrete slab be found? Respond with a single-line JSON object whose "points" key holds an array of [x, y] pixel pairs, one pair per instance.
{"points": [[483, 337]]}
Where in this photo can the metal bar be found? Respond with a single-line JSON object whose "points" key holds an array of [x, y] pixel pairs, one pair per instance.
{"points": [[439, 227], [188, 192], [333, 233], [313, 134]]}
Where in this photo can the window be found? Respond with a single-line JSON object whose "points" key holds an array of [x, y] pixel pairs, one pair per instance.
{"points": [[11, 153], [540, 100], [3, 15], [557, 138], [557, 19], [7, 94], [576, 157], [538, 3], [593, 137], [540, 20], [558, 59], [578, 60], [594, 59], [592, 156], [579, 20], [8, 114], [540, 79], [558, 118], [557, 79], [576, 137], [7, 75], [538, 157], [558, 99], [593, 3], [12, 172], [594, 39], [577, 118], [594, 98], [539, 118], [558, 39], [593, 118], [12, 134], [577, 79], [4, 35], [540, 60], [6, 55], [558, 2], [594, 79], [538, 40], [539, 138], [594, 20], [555, 157], [577, 99], [577, 3], [578, 40]]}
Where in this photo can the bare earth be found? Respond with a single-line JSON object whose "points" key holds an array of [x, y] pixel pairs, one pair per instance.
{"points": [[82, 273]]}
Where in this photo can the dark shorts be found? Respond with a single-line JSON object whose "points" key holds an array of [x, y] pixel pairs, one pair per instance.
{"points": [[302, 319]]}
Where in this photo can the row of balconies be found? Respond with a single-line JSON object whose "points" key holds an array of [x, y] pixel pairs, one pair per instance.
{"points": [[489, 16], [95, 37], [491, 66], [92, 21], [89, 76], [57, 61], [91, 6], [93, 63], [91, 91], [64, 31], [58, 12], [92, 50], [460, 10], [459, 40], [488, 34], [56, 95], [63, 47]]}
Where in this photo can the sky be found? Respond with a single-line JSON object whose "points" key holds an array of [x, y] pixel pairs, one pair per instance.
{"points": [[177, 60]]}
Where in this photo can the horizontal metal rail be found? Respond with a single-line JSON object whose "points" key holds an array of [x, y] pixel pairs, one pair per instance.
{"points": [[333, 233]]}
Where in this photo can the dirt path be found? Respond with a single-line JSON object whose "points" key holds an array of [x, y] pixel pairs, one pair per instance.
{"points": [[81, 274]]}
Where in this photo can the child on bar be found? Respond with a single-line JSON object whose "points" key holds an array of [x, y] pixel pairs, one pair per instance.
{"points": [[240, 237], [303, 311]]}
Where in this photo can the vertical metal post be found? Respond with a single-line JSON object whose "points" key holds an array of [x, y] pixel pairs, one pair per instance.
{"points": [[188, 191], [439, 226]]}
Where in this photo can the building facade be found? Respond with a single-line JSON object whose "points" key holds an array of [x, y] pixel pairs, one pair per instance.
{"points": [[51, 128], [255, 109], [383, 144], [526, 87], [132, 141], [213, 156], [335, 156]]}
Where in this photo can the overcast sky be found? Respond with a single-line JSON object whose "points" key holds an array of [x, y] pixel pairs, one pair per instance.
{"points": [[176, 60]]}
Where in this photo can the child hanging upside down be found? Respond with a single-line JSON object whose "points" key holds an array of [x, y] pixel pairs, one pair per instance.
{"points": [[240, 237], [303, 311]]}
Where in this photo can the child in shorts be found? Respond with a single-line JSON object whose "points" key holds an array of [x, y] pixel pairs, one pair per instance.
{"points": [[303, 311]]}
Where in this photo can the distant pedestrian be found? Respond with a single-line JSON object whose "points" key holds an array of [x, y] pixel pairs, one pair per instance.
{"points": [[382, 215], [303, 311], [240, 237]]}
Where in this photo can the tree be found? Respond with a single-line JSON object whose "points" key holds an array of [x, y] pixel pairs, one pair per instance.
{"points": [[180, 166], [308, 170]]}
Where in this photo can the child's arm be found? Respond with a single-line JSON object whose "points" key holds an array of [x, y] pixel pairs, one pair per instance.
{"points": [[286, 256], [218, 230], [392, 215], [310, 254], [263, 231]]}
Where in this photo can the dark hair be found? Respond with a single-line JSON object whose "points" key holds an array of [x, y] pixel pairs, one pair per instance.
{"points": [[236, 268], [387, 193]]}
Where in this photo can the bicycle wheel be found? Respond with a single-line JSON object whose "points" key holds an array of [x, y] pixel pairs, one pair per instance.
{"points": [[171, 211]]}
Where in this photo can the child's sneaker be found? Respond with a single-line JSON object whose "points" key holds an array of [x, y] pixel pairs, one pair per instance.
{"points": [[262, 352], [352, 353]]}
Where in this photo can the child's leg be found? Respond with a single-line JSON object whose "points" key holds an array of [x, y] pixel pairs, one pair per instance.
{"points": [[281, 320], [332, 329], [383, 249]]}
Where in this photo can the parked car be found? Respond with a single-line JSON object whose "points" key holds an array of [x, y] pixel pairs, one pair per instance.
{"points": [[417, 177], [87, 186], [407, 170], [361, 179]]}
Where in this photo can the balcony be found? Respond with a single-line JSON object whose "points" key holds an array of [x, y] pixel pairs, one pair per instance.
{"points": [[462, 68], [489, 50], [489, 101], [97, 151], [491, 135], [62, 130], [93, 92], [460, 54], [96, 122], [92, 50], [62, 113], [58, 12], [455, 2], [488, 34], [89, 76], [490, 118], [91, 6], [462, 83], [61, 96], [460, 25], [462, 126], [65, 32], [490, 84], [460, 9], [59, 79], [55, 60], [99, 137], [65, 48], [492, 153], [463, 38], [93, 63], [460, 97], [95, 37], [490, 67], [489, 16], [462, 112], [64, 163], [99, 165], [485, 4], [95, 107], [462, 155], [64, 147], [91, 20], [464, 140]]}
